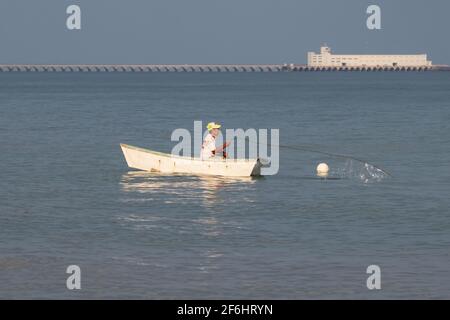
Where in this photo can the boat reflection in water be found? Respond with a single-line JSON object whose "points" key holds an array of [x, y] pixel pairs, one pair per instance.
{"points": [[202, 211], [148, 186]]}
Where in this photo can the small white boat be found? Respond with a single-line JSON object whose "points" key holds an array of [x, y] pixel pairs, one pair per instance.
{"points": [[148, 160]]}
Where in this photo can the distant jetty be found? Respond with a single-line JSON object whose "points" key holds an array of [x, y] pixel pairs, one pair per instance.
{"points": [[212, 68], [323, 61]]}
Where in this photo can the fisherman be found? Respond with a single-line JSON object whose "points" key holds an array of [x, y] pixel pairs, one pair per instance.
{"points": [[209, 149]]}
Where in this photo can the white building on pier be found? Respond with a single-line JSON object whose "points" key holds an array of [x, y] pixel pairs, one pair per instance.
{"points": [[327, 59]]}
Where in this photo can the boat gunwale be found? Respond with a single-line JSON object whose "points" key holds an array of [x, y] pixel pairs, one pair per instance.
{"points": [[172, 156]]}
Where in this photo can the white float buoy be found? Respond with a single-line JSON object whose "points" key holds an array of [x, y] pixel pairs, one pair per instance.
{"points": [[322, 169]]}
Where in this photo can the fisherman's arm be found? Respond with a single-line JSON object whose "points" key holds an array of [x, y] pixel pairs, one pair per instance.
{"points": [[222, 147]]}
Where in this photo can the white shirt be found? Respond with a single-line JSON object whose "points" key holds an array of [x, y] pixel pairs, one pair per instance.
{"points": [[208, 146]]}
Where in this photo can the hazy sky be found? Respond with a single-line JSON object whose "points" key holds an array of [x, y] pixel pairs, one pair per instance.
{"points": [[217, 31]]}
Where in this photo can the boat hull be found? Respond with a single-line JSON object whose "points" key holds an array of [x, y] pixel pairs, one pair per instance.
{"points": [[148, 160]]}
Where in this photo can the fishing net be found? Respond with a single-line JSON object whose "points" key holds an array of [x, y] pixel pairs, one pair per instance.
{"points": [[344, 166]]}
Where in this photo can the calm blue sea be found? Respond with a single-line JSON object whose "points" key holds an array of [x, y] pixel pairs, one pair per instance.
{"points": [[68, 198]]}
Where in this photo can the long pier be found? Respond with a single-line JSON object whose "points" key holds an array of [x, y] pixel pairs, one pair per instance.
{"points": [[205, 68]]}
